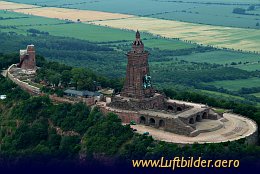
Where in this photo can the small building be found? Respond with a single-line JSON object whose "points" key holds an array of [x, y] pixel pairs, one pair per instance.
{"points": [[83, 94], [97, 86], [107, 92], [88, 97], [2, 97]]}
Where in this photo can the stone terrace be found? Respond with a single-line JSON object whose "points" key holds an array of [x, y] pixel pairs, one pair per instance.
{"points": [[235, 128]]}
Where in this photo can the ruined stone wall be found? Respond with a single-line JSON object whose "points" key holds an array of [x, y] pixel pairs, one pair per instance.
{"points": [[36, 91], [156, 102], [125, 116], [25, 86], [196, 116], [61, 99], [89, 101], [178, 127], [28, 61], [174, 125], [176, 107], [72, 100]]}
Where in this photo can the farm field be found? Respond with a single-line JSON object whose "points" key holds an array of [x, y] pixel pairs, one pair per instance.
{"points": [[216, 12], [222, 37], [20, 23], [4, 5], [235, 85], [72, 14], [245, 61], [226, 37], [210, 14], [221, 57]]}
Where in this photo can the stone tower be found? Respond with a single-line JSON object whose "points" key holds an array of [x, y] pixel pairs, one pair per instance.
{"points": [[27, 58], [138, 80]]}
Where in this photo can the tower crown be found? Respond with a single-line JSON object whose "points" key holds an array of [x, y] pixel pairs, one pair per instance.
{"points": [[138, 45], [30, 47]]}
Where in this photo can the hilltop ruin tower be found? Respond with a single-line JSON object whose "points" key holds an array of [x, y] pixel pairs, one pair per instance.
{"points": [[27, 58]]}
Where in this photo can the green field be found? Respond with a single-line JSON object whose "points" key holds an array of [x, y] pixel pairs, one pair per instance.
{"points": [[222, 57], [219, 94], [249, 67], [256, 94], [245, 61], [20, 23], [235, 85]]}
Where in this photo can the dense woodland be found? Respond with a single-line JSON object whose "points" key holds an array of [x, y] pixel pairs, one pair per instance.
{"points": [[28, 130], [55, 74]]}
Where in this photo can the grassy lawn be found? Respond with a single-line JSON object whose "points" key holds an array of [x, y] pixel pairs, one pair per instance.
{"points": [[235, 85], [219, 111]]}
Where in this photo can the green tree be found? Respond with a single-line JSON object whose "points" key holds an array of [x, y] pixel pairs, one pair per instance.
{"points": [[239, 11], [55, 79], [66, 77]]}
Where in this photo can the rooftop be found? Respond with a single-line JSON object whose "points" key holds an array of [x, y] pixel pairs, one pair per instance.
{"points": [[2, 97], [81, 93]]}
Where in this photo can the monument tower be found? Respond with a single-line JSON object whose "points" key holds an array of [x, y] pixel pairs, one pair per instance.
{"points": [[138, 80]]}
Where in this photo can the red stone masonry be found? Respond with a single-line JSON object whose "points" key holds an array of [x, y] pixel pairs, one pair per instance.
{"points": [[27, 58], [137, 68]]}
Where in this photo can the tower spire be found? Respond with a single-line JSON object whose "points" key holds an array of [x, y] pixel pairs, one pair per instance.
{"points": [[137, 35], [138, 45]]}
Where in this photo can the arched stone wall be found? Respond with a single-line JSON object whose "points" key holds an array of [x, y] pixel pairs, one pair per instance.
{"points": [[152, 122], [142, 120], [175, 107], [179, 108], [155, 105], [205, 115], [170, 108], [198, 118], [161, 123], [191, 120]]}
